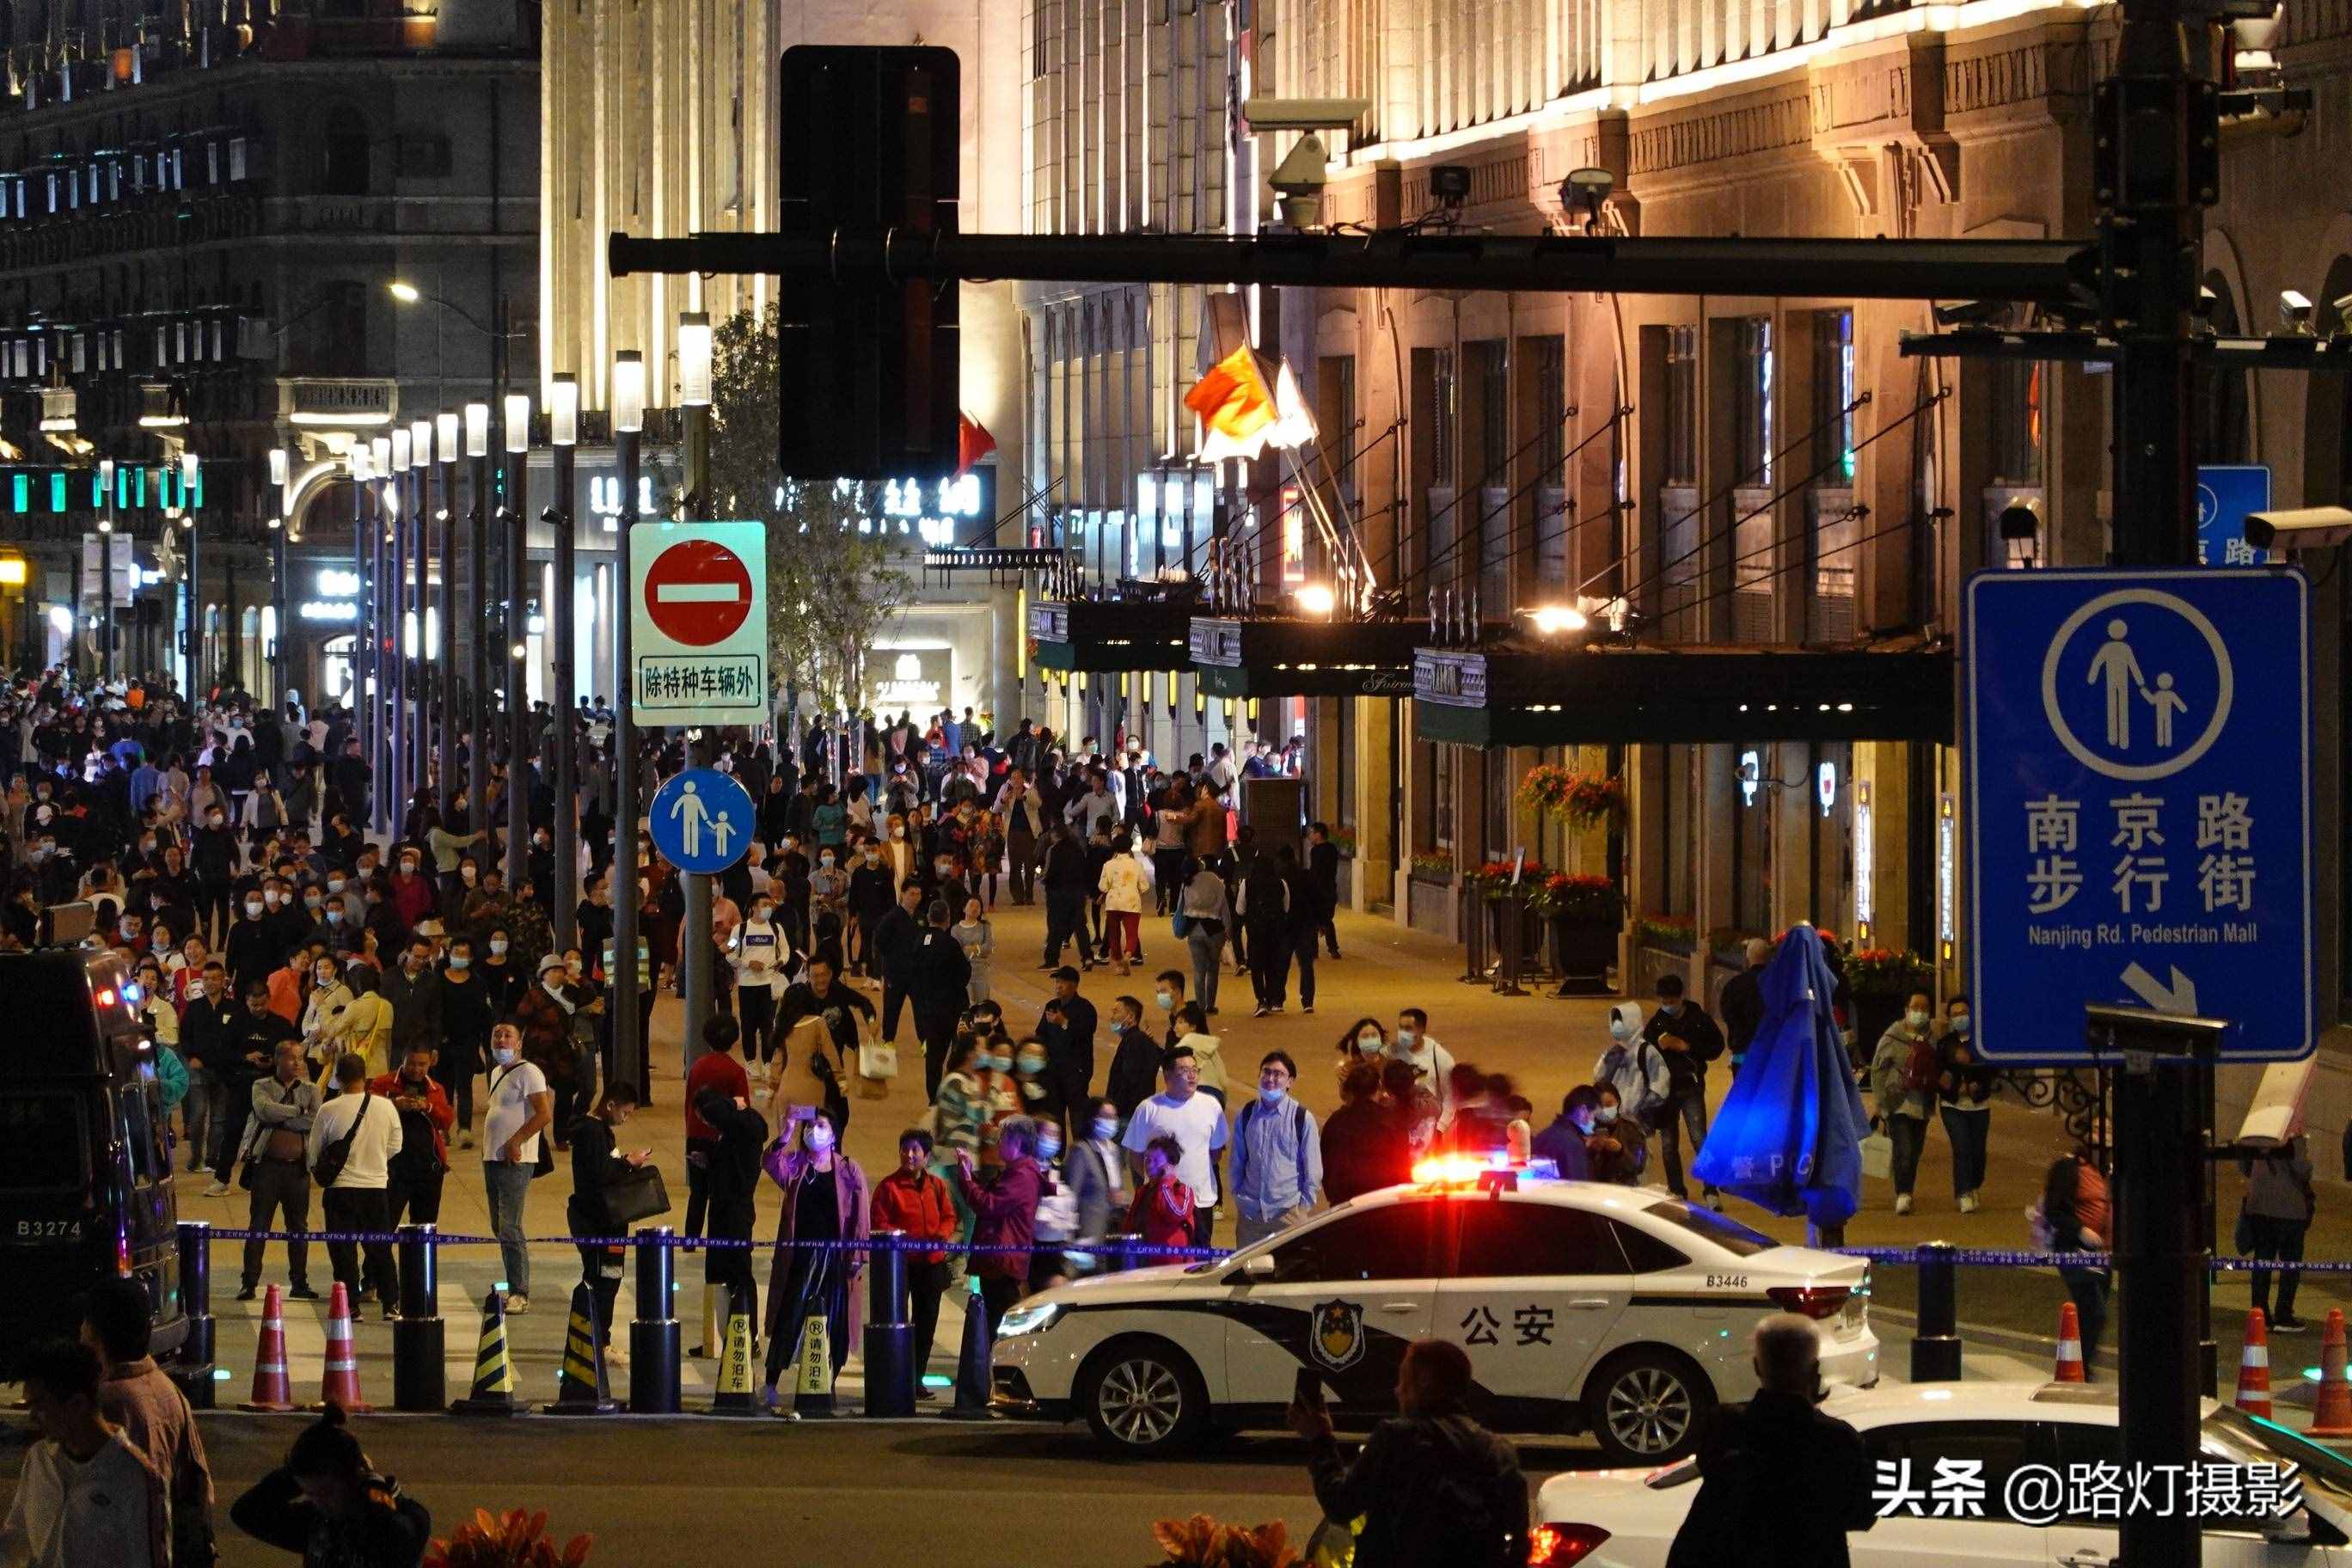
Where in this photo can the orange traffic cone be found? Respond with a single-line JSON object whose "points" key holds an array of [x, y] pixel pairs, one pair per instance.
{"points": [[2069, 1367], [2254, 1367], [2332, 1416], [341, 1386], [270, 1389]]}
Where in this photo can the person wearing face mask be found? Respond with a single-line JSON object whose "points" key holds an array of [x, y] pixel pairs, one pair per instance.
{"points": [[1096, 1174], [469, 1003], [504, 979], [1037, 1081], [322, 1011], [1134, 1059], [212, 859], [1689, 1039], [872, 896], [1164, 1211], [410, 895], [365, 1027], [1965, 1085], [1277, 1159], [977, 937], [914, 1199], [253, 949], [828, 886], [596, 1158], [1362, 1041], [1196, 1121], [1615, 1148], [759, 952], [1004, 1214], [521, 1108], [825, 1199], [1636, 1068], [1433, 1062], [1903, 1073], [413, 989], [448, 850], [1563, 1143], [1058, 1214], [1167, 995]]}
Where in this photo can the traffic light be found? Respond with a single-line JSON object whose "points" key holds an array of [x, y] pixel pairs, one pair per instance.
{"points": [[870, 370]]}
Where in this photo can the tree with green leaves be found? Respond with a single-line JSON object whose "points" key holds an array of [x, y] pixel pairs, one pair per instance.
{"points": [[833, 590]]}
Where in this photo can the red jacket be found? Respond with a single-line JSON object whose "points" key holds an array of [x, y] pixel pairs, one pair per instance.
{"points": [[1163, 1213], [437, 1109], [1006, 1213], [715, 1069], [920, 1205]]}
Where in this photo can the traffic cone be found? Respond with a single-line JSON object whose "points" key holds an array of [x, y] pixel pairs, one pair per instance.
{"points": [[972, 1361], [2332, 1416], [2069, 1368], [734, 1395], [341, 1384], [2254, 1367], [271, 1391], [494, 1390], [814, 1395], [582, 1387]]}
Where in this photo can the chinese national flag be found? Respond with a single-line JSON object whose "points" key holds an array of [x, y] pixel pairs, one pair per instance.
{"points": [[1232, 400], [973, 443]]}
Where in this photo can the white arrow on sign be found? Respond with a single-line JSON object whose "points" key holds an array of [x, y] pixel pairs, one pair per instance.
{"points": [[2181, 999]]}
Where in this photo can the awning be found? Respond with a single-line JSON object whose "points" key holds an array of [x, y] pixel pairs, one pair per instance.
{"points": [[1295, 657], [1601, 695], [1111, 634]]}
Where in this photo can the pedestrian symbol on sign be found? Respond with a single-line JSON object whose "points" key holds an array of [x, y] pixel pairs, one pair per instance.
{"points": [[2127, 678]]}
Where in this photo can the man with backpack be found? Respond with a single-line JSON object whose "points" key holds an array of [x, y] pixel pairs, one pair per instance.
{"points": [[1635, 1067], [1902, 1077], [1431, 1485], [1780, 1483], [1688, 1039], [1277, 1162]]}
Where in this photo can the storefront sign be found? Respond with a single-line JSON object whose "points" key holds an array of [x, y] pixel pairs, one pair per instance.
{"points": [[938, 511], [1863, 861], [916, 679]]}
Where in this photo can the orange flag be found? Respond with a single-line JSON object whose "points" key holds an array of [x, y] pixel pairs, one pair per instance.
{"points": [[1232, 400]]}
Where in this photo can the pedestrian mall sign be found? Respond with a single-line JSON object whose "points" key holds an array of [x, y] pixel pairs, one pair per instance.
{"points": [[2138, 804], [699, 623], [701, 821]]}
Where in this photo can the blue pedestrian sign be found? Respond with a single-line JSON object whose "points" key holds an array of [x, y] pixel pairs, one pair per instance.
{"points": [[701, 821], [2138, 760], [2226, 493]]}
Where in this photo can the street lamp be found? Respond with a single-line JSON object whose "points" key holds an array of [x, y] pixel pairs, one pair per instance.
{"points": [[444, 452], [628, 431], [477, 553], [519, 742], [106, 572], [564, 436], [281, 471], [698, 954], [407, 293], [395, 606], [419, 514]]}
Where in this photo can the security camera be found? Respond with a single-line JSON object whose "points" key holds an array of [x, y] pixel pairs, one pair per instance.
{"points": [[1586, 189], [1298, 181], [2295, 310], [1303, 113], [1449, 184], [2299, 529], [2343, 309], [1972, 314], [2206, 302]]}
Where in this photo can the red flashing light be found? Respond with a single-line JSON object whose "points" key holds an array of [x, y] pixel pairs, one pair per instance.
{"points": [[1815, 1301], [1560, 1545]]}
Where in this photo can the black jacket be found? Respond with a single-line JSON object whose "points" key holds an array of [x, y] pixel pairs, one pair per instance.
{"points": [[1070, 1045], [1758, 1460], [390, 1531], [898, 937], [1134, 1071], [1685, 1070], [1066, 868], [1429, 1490], [1743, 1009], [938, 978], [1364, 1150], [590, 1138]]}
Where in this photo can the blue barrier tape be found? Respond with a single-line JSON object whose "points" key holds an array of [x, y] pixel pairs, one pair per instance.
{"points": [[1995, 1258], [694, 1244]]}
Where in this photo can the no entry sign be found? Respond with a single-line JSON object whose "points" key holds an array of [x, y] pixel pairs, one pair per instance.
{"points": [[699, 623]]}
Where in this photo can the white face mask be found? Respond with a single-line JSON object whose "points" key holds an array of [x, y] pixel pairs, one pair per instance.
{"points": [[1105, 1128], [820, 1136], [1405, 1037], [1621, 1029], [253, 908], [498, 945], [502, 1055], [1915, 1020], [1368, 1045]]}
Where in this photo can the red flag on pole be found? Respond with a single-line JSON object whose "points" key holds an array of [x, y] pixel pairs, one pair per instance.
{"points": [[973, 443]]}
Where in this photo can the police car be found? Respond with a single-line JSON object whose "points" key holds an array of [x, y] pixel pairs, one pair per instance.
{"points": [[1968, 1475], [1584, 1306]]}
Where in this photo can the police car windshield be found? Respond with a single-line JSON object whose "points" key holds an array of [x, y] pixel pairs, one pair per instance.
{"points": [[1721, 1230]]}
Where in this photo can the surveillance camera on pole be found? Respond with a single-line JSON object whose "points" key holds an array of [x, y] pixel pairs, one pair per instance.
{"points": [[1586, 190], [2299, 529], [2295, 310], [1299, 180]]}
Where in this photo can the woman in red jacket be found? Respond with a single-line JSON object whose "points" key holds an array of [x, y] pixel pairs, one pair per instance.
{"points": [[1004, 1214], [1163, 1213], [911, 1199]]}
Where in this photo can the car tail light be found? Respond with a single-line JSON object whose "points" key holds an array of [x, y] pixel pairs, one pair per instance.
{"points": [[1560, 1545], [1817, 1301]]}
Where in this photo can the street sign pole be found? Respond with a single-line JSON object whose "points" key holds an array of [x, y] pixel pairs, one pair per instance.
{"points": [[697, 957], [631, 1054]]}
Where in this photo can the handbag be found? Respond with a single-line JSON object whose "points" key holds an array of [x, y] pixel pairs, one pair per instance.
{"points": [[635, 1192], [877, 1060], [337, 1154], [1878, 1155], [1180, 925]]}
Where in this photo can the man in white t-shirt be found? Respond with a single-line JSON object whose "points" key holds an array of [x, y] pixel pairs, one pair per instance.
{"points": [[85, 1495], [1432, 1060], [1196, 1121], [521, 1107], [356, 1199]]}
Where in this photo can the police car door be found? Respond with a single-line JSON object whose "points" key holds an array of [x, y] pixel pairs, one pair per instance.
{"points": [[1343, 1296], [1531, 1290]]}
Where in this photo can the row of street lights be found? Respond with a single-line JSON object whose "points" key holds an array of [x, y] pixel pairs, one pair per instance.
{"points": [[393, 693]]}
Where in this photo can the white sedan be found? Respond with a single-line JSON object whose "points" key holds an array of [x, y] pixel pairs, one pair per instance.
{"points": [[1627, 1518], [1584, 1307]]}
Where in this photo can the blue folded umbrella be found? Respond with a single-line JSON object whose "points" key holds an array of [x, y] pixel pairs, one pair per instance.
{"points": [[1788, 1136]]}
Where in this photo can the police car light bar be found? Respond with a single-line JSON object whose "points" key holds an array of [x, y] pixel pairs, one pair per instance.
{"points": [[1487, 1174]]}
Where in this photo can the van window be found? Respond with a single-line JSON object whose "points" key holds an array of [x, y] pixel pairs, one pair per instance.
{"points": [[41, 1144], [150, 1161]]}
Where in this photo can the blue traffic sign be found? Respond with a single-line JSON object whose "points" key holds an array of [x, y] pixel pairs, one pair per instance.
{"points": [[701, 821], [2138, 790], [2226, 493]]}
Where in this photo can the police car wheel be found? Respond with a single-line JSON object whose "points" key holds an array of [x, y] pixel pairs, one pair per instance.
{"points": [[1144, 1396], [1647, 1407]]}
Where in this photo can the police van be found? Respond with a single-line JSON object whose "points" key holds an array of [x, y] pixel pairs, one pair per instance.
{"points": [[1584, 1307], [84, 1159]]}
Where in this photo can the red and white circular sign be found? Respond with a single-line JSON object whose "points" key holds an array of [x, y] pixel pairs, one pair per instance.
{"points": [[698, 591]]}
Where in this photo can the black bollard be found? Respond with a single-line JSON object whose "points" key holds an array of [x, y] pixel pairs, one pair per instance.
{"points": [[653, 1333], [1125, 1259], [890, 1369], [1936, 1346], [420, 1377], [193, 1369]]}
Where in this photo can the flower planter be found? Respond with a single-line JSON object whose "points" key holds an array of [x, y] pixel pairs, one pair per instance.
{"points": [[1499, 911], [1584, 952], [1428, 906]]}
